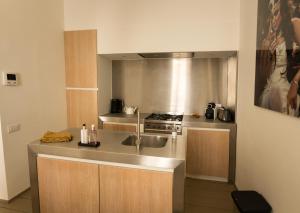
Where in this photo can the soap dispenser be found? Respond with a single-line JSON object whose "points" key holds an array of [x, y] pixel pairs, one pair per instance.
{"points": [[84, 134], [93, 135]]}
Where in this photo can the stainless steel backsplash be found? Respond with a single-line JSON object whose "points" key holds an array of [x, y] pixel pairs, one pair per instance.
{"points": [[175, 85]]}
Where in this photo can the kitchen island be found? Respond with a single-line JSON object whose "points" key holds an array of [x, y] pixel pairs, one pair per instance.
{"points": [[111, 178], [192, 132]]}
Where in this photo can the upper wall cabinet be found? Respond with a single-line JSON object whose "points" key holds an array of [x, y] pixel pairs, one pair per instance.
{"points": [[81, 59], [157, 26]]}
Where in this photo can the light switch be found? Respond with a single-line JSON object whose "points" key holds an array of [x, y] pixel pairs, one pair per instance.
{"points": [[13, 128]]}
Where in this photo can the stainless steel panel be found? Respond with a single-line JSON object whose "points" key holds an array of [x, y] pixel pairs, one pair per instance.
{"points": [[34, 182], [178, 189], [152, 141], [178, 85], [232, 85], [168, 55]]}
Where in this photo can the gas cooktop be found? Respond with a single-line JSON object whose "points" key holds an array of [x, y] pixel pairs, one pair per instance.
{"points": [[163, 123], [164, 117]]}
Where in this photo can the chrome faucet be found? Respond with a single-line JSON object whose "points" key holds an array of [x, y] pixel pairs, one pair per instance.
{"points": [[138, 141]]}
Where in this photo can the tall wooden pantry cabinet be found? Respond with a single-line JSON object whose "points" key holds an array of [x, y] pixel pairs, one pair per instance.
{"points": [[81, 77]]}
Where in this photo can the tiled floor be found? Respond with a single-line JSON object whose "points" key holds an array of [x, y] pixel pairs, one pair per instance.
{"points": [[200, 197], [21, 203], [208, 197]]}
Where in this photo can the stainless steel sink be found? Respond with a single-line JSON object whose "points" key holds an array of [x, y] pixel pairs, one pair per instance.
{"points": [[152, 141]]}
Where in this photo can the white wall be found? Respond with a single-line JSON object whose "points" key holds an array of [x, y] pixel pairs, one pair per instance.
{"points": [[157, 26], [80, 14], [268, 144], [31, 45], [3, 185]]}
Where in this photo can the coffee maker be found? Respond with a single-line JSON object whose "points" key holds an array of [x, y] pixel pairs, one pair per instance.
{"points": [[116, 106], [210, 111]]}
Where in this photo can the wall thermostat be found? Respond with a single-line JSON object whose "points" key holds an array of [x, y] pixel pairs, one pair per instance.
{"points": [[9, 79]]}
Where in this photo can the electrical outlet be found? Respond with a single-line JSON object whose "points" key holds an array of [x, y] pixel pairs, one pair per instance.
{"points": [[13, 128]]}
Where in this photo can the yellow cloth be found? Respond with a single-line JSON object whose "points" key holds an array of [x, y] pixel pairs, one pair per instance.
{"points": [[52, 137]]}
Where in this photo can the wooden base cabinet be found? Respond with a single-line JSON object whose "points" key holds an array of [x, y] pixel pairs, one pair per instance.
{"points": [[68, 186], [129, 190], [120, 127], [207, 154]]}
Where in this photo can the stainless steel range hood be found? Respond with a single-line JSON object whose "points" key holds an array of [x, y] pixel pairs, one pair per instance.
{"points": [[168, 55]]}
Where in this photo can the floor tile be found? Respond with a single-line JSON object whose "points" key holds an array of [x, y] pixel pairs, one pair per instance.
{"points": [[26, 194], [209, 185], [208, 196], [3, 210], [205, 209], [201, 196], [18, 204]]}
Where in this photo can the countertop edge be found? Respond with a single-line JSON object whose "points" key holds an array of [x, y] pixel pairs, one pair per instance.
{"points": [[188, 121], [160, 159], [130, 162]]}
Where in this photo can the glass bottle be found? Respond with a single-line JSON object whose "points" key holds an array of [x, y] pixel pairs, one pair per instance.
{"points": [[93, 135]]}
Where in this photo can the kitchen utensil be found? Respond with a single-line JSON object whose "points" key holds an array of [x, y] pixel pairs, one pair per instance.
{"points": [[225, 114], [210, 111], [130, 110]]}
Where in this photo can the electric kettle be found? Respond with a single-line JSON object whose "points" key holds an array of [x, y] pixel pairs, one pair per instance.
{"points": [[130, 110]]}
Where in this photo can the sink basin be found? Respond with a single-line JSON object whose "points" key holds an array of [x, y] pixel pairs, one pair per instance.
{"points": [[152, 141]]}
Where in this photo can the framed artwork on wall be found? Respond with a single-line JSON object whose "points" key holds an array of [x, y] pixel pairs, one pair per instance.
{"points": [[277, 73]]}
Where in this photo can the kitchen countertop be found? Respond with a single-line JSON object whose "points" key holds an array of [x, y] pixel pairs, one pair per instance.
{"points": [[188, 120], [191, 121], [111, 150]]}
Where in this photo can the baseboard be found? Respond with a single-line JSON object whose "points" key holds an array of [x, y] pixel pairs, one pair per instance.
{"points": [[203, 177]]}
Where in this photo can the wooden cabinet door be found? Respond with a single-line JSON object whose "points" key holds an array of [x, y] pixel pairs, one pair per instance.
{"points": [[66, 186], [119, 127], [82, 108], [81, 77], [128, 190], [207, 154], [81, 58]]}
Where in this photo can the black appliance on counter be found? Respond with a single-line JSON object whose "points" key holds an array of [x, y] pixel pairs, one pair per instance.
{"points": [[210, 111], [225, 115], [116, 106], [213, 111]]}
